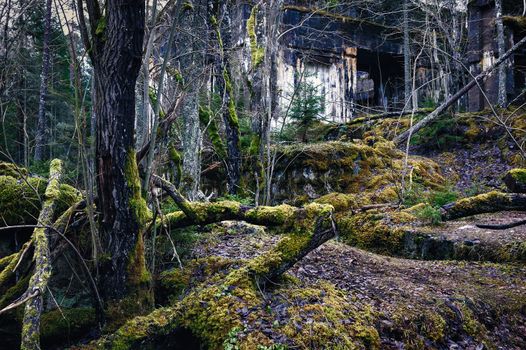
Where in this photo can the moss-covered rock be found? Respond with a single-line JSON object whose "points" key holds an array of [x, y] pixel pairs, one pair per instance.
{"points": [[381, 232], [314, 170], [13, 170], [20, 199], [515, 180]]}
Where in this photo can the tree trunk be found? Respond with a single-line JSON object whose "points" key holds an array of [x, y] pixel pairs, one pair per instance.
{"points": [[192, 63], [116, 56], [40, 137], [225, 87], [407, 58], [501, 47]]}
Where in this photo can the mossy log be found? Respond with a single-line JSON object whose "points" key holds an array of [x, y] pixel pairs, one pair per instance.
{"points": [[484, 203], [38, 282], [207, 213], [205, 310]]}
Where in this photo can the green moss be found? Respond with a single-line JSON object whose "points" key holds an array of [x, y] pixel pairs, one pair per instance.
{"points": [[278, 215], [516, 22], [14, 292], [344, 167], [232, 113], [340, 201], [256, 51], [20, 200], [137, 203], [482, 203], [381, 232], [316, 316], [101, 26], [337, 16], [515, 180], [205, 116], [13, 170], [64, 325], [176, 159], [6, 260]]}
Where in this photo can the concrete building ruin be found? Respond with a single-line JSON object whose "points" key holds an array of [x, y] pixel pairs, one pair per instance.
{"points": [[482, 51], [359, 63]]}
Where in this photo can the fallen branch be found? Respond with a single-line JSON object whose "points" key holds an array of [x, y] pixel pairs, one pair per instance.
{"points": [[502, 226], [9, 269], [440, 109], [38, 282], [387, 115], [484, 203], [178, 198], [209, 213]]}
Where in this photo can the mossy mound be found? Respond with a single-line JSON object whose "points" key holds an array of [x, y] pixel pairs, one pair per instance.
{"points": [[515, 180], [426, 304], [20, 199], [308, 171], [378, 231], [10, 169], [336, 295], [66, 325]]}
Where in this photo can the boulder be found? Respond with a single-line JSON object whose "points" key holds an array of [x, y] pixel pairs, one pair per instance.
{"points": [[515, 180]]}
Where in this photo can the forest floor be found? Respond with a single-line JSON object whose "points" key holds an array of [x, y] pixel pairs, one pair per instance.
{"points": [[474, 300]]}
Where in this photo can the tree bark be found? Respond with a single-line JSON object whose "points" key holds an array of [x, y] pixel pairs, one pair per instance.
{"points": [[177, 197], [407, 59], [192, 62], [440, 109], [225, 87], [501, 47], [115, 47], [41, 132]]}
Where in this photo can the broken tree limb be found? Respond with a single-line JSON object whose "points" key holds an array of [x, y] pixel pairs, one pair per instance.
{"points": [[177, 197], [440, 109], [9, 269], [38, 282], [483, 203]]}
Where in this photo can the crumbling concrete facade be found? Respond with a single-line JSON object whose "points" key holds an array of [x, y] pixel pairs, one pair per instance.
{"points": [[482, 53], [352, 62]]}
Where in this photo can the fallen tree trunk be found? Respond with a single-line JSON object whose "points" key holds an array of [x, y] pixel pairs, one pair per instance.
{"points": [[39, 280], [208, 213], [484, 203], [202, 311], [440, 109]]}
